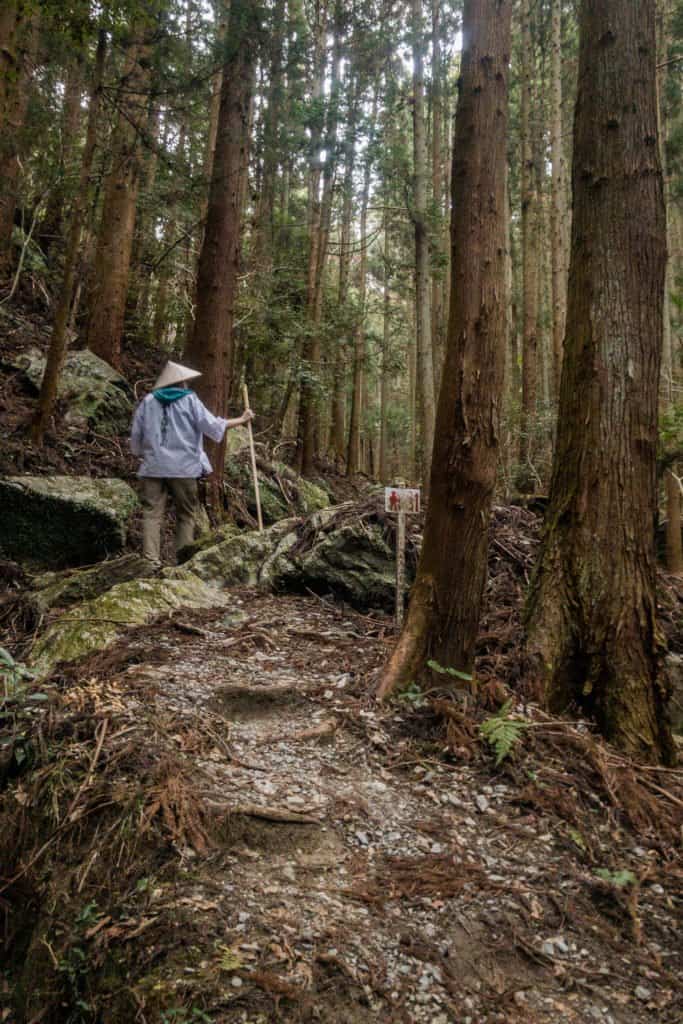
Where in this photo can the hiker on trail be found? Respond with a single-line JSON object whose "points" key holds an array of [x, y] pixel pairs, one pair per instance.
{"points": [[168, 427]]}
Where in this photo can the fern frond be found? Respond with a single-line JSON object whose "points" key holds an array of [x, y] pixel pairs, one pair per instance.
{"points": [[501, 732]]}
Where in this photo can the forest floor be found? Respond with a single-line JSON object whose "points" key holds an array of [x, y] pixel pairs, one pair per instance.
{"points": [[317, 856], [218, 823]]}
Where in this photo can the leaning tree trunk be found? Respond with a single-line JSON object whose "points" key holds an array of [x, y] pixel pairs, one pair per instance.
{"points": [[107, 301], [443, 617], [58, 341], [212, 346], [592, 608]]}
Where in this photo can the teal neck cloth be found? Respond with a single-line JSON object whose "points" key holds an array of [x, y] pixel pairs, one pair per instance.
{"points": [[168, 395]]}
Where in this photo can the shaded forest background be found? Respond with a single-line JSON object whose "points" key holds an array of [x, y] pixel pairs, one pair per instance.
{"points": [[336, 220]]}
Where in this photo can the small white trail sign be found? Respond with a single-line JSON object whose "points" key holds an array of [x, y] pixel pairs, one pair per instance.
{"points": [[401, 501]]}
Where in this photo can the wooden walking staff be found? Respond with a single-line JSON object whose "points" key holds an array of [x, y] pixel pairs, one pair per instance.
{"points": [[252, 452]]}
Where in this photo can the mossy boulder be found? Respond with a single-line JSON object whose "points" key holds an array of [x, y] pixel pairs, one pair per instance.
{"points": [[283, 492], [332, 551], [61, 521], [353, 562], [245, 557], [61, 589], [95, 625], [96, 394]]}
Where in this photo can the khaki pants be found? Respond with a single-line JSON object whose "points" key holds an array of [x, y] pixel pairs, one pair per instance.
{"points": [[154, 491]]}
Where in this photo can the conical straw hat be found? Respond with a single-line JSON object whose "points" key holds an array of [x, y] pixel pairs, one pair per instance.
{"points": [[174, 373]]}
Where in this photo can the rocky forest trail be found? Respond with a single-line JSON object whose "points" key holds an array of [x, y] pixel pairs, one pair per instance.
{"points": [[263, 841]]}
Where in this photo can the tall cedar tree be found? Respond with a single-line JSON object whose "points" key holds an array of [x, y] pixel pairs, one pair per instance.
{"points": [[592, 607], [211, 350], [444, 611], [117, 223], [58, 341]]}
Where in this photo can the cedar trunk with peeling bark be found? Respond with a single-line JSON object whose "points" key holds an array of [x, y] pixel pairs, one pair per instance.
{"points": [[211, 351], [107, 302], [592, 608], [445, 604]]}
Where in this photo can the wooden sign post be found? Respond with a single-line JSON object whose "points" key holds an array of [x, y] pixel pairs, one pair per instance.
{"points": [[401, 501]]}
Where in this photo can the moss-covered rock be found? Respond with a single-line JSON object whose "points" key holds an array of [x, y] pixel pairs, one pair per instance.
{"points": [[61, 521], [331, 551], [283, 492], [95, 625], [353, 562], [245, 557], [95, 392], [61, 589]]}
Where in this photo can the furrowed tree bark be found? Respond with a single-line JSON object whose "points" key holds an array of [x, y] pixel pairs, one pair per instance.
{"points": [[421, 227], [107, 301], [529, 257], [59, 340], [212, 346], [557, 234], [591, 615], [18, 43], [438, 239], [445, 603]]}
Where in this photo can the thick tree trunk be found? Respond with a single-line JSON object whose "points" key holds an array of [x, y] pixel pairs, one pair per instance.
{"points": [[421, 227], [107, 302], [212, 347], [18, 42], [592, 607], [530, 258], [445, 604], [438, 319], [557, 214], [59, 339]]}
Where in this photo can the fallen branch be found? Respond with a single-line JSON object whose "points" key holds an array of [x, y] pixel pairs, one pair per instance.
{"points": [[326, 728], [265, 813]]}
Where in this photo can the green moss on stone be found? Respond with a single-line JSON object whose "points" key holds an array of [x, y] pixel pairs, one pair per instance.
{"points": [[95, 625], [59, 521]]}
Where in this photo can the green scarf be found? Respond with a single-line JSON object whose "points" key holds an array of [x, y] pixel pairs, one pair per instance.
{"points": [[168, 395]]}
